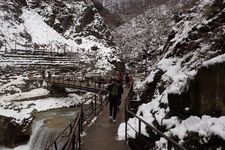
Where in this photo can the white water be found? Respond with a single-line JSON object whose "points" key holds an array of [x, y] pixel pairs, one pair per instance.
{"points": [[35, 127]]}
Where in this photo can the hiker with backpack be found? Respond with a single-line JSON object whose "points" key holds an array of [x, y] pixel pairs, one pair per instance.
{"points": [[113, 90]]}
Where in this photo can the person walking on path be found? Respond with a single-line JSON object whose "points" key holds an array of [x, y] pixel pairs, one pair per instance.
{"points": [[120, 84], [49, 75], [113, 90], [43, 74], [126, 79], [130, 80]]}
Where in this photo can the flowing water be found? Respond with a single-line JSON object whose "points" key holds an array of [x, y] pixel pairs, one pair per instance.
{"points": [[45, 128]]}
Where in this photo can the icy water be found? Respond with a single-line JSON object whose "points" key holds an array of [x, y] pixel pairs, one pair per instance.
{"points": [[46, 127]]}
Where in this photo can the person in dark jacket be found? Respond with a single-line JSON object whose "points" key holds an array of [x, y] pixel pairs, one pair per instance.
{"points": [[49, 75], [120, 83], [43, 74], [113, 90]]}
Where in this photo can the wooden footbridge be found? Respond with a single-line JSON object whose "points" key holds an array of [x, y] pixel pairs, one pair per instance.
{"points": [[81, 83]]}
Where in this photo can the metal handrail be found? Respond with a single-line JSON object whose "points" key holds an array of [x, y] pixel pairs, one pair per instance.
{"points": [[72, 124], [73, 140], [141, 120], [75, 144]]}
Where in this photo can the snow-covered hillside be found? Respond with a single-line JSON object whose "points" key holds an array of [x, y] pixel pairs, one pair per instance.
{"points": [[143, 37], [75, 26], [183, 94]]}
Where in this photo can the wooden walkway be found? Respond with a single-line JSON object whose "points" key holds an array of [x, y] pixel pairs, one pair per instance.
{"points": [[102, 135]]}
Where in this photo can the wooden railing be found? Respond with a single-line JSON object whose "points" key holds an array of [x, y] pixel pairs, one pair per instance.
{"points": [[70, 137], [129, 113]]}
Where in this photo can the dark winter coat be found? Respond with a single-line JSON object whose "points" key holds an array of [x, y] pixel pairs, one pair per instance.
{"points": [[111, 97]]}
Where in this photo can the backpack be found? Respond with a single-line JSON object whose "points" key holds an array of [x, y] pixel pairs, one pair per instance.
{"points": [[114, 90]]}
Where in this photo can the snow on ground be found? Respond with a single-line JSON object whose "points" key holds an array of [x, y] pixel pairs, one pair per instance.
{"points": [[25, 95], [40, 32], [12, 83], [20, 110], [16, 107], [204, 126], [218, 59]]}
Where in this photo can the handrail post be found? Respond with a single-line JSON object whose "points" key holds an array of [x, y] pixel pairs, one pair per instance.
{"points": [[95, 105], [73, 140], [71, 128], [101, 101], [126, 119], [55, 145], [92, 107], [79, 133], [81, 118], [139, 126]]}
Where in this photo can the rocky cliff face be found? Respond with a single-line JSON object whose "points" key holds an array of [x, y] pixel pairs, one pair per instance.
{"points": [[184, 88], [125, 6], [121, 11], [69, 18], [202, 42], [128, 6], [142, 37], [12, 134]]}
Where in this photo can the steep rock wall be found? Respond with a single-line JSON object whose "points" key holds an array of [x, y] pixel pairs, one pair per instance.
{"points": [[205, 94], [12, 134]]}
